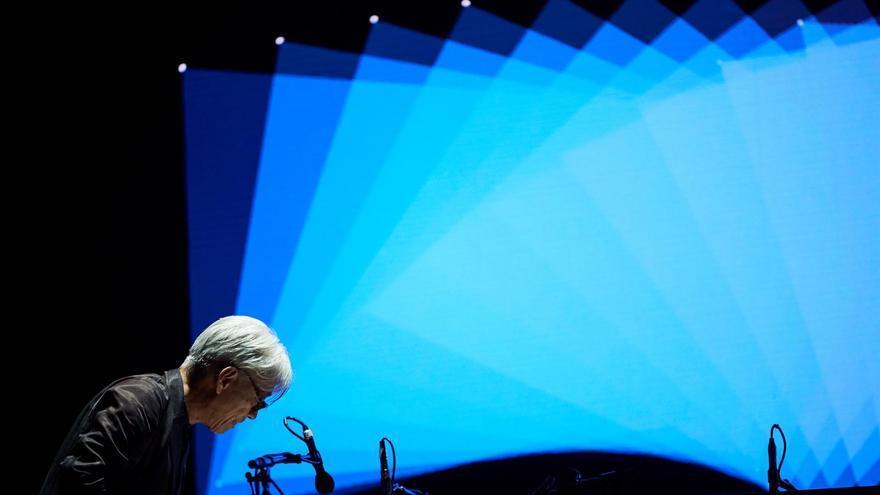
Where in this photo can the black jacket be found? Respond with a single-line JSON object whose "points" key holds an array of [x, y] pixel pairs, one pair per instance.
{"points": [[132, 438]]}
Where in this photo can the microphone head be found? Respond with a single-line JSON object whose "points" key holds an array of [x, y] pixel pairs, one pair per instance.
{"points": [[324, 482]]}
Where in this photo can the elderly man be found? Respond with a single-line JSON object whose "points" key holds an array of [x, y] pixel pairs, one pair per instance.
{"points": [[133, 437]]}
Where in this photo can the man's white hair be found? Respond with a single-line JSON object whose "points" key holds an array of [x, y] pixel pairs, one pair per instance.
{"points": [[247, 344]]}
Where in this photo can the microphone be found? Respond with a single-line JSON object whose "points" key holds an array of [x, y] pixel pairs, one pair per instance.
{"points": [[385, 483], [270, 460], [772, 473], [323, 481]]}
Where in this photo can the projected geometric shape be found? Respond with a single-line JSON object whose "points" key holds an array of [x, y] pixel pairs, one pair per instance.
{"points": [[650, 237]]}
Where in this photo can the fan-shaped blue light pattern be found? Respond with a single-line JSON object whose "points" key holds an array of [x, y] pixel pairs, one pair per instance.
{"points": [[657, 237]]}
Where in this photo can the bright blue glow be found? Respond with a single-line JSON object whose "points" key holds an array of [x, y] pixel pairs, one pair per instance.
{"points": [[680, 40], [658, 248], [544, 51], [299, 127], [743, 38], [614, 45]]}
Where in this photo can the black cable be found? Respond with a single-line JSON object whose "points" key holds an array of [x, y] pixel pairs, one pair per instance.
{"points": [[782, 481], [394, 459], [297, 435], [784, 446]]}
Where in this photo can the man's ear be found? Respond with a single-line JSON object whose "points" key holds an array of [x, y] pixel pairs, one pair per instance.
{"points": [[225, 378]]}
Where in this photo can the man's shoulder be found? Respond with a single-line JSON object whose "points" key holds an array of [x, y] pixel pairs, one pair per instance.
{"points": [[146, 393], [146, 379]]}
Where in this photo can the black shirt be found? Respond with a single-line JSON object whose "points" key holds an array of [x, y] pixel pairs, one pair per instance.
{"points": [[132, 438]]}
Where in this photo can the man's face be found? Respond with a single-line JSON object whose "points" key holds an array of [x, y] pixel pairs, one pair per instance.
{"points": [[237, 399]]}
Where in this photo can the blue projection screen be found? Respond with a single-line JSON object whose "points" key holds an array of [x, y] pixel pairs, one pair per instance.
{"points": [[575, 236]]}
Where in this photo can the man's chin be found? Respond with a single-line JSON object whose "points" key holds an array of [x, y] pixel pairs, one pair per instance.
{"points": [[222, 428]]}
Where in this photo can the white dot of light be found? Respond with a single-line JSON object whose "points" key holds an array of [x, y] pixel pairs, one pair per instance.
{"points": [[374, 19]]}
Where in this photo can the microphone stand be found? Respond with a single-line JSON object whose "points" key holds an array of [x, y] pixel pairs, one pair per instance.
{"points": [[774, 475], [260, 480], [390, 486]]}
